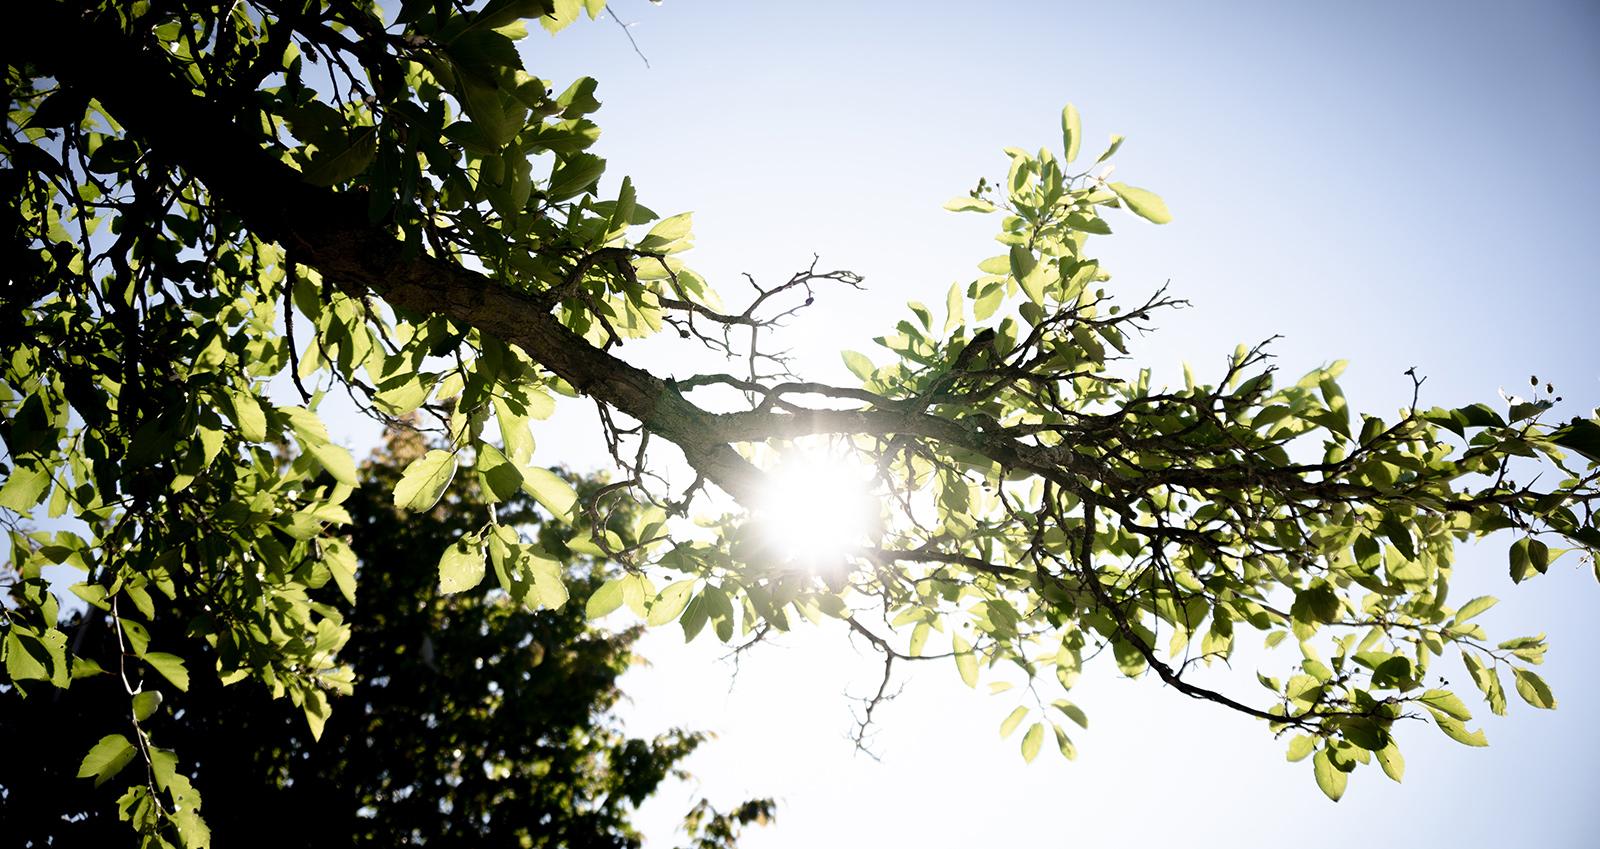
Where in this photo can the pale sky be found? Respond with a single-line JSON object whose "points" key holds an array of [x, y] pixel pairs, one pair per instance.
{"points": [[1398, 184]]}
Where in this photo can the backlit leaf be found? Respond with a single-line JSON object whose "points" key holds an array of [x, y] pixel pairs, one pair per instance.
{"points": [[106, 759], [461, 567], [424, 481], [1145, 204], [1330, 778]]}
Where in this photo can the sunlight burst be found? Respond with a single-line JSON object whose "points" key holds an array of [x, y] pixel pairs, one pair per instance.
{"points": [[818, 509]]}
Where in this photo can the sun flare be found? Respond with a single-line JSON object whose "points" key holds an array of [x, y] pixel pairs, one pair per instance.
{"points": [[818, 509]]}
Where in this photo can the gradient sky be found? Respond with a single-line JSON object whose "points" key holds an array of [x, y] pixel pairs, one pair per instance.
{"points": [[1400, 184]]}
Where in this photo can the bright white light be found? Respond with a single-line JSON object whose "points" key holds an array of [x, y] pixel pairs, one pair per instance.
{"points": [[819, 509]]}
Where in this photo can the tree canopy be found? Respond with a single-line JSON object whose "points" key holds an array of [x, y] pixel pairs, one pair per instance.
{"points": [[472, 720], [234, 209]]}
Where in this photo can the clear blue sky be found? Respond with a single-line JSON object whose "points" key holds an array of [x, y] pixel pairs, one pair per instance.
{"points": [[1400, 184]]}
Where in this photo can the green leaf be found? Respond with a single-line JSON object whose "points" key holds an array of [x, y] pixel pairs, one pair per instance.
{"points": [[84, 667], [579, 98], [313, 438], [1071, 131], [1031, 741], [1011, 722], [1026, 268], [1400, 535], [966, 661], [1533, 690], [1393, 764], [574, 175], [316, 710], [1582, 436], [1073, 712], [605, 599], [1475, 607], [1301, 746], [919, 639], [670, 602], [955, 305], [36, 657], [1116, 142], [24, 487], [343, 159], [968, 204], [636, 590], [549, 584], [695, 615], [501, 478], [480, 97], [1064, 743], [552, 493], [424, 481], [145, 704], [667, 232], [171, 668], [1145, 204], [1330, 778], [246, 413], [341, 563], [106, 759], [402, 393], [336, 460], [858, 364], [1447, 702], [622, 213], [514, 431], [1456, 730], [1539, 556], [1521, 563], [461, 567]]}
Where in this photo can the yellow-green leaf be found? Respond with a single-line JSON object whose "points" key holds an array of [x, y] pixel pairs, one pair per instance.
{"points": [[501, 478], [605, 599], [1064, 743], [106, 759], [1446, 702], [424, 481], [1330, 778], [1031, 741], [955, 305], [966, 661], [145, 704], [461, 567], [246, 413], [1393, 764], [1533, 690], [919, 638], [1142, 202], [670, 602], [23, 487], [1475, 607], [549, 585], [514, 432], [968, 204], [1011, 722], [858, 364], [552, 493], [1071, 131], [1457, 731], [171, 668]]}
